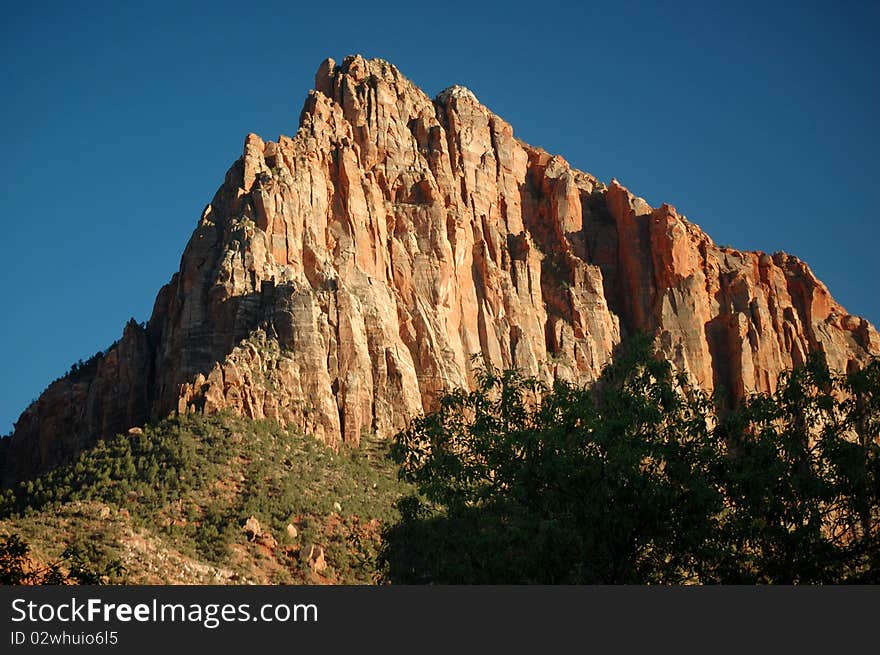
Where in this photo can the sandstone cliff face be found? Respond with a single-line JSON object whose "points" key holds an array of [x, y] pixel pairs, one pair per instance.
{"points": [[341, 279]]}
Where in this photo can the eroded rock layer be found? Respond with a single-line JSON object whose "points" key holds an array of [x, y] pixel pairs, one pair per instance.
{"points": [[342, 278]]}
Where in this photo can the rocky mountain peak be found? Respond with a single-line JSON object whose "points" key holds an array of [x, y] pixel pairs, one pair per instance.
{"points": [[456, 92], [343, 277]]}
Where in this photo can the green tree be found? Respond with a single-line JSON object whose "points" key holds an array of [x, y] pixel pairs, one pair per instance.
{"points": [[637, 479], [18, 568], [520, 484], [802, 478]]}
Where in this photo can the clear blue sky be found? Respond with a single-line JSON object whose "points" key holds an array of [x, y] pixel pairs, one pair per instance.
{"points": [[119, 121]]}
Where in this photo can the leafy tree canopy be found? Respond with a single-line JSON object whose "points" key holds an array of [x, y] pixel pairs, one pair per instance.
{"points": [[640, 479]]}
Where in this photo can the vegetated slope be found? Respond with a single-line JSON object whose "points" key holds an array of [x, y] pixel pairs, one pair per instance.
{"points": [[213, 499], [342, 278]]}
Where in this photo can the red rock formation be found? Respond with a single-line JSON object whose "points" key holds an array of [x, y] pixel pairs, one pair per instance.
{"points": [[342, 278]]}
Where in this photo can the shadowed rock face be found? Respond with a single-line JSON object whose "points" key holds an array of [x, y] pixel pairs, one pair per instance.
{"points": [[341, 279]]}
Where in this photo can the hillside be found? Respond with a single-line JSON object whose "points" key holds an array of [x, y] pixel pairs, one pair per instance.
{"points": [[213, 500]]}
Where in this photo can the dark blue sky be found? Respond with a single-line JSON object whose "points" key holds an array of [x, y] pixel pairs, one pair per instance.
{"points": [[119, 122]]}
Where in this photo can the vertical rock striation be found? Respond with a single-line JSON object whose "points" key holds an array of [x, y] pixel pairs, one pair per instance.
{"points": [[342, 278]]}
